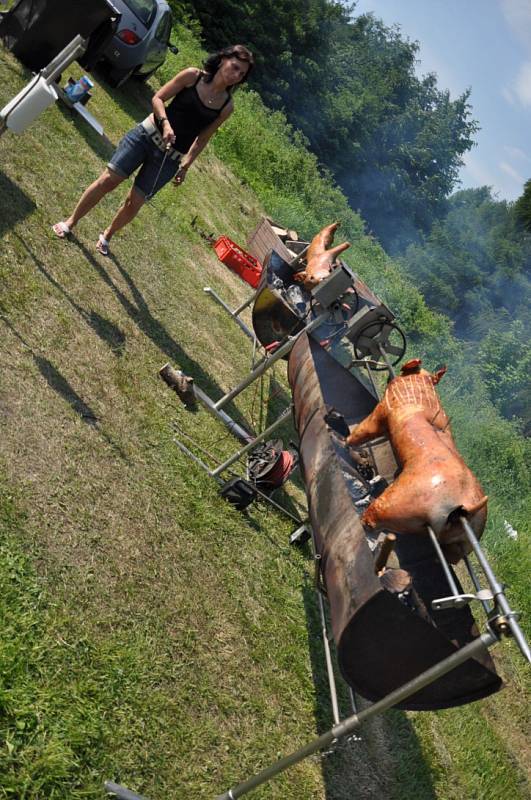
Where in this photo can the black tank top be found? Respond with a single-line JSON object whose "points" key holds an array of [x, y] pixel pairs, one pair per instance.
{"points": [[188, 116]]}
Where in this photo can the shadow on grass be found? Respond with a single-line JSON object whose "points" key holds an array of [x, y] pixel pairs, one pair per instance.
{"points": [[134, 97], [108, 332], [101, 145], [56, 381], [15, 205], [384, 758], [151, 327]]}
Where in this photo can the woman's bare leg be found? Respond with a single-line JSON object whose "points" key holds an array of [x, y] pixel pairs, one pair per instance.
{"points": [[132, 205], [107, 181]]}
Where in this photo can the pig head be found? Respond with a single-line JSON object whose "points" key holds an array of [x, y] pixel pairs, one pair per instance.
{"points": [[435, 486], [320, 260]]}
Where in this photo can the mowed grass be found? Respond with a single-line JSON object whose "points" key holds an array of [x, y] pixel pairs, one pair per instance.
{"points": [[151, 634]]}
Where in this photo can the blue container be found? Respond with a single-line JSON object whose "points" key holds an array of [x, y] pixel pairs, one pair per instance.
{"points": [[78, 91]]}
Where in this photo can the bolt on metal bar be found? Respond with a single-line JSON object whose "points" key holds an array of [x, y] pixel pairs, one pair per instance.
{"points": [[248, 447], [351, 723], [442, 558], [497, 590], [475, 581], [265, 365], [234, 314]]}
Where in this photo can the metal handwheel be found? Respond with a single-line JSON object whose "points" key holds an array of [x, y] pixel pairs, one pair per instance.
{"points": [[377, 336]]}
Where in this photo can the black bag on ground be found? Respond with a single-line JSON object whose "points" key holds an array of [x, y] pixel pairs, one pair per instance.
{"points": [[238, 492]]}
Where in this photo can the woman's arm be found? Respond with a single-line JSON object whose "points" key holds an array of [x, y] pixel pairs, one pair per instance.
{"points": [[183, 79], [201, 142]]}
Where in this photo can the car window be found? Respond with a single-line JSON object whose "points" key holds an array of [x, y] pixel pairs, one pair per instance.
{"points": [[145, 10], [164, 28]]}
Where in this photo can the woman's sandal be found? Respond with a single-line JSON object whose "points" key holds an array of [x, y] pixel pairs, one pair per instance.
{"points": [[102, 245], [61, 230]]}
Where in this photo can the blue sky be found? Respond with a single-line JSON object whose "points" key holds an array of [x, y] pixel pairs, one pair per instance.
{"points": [[484, 45]]}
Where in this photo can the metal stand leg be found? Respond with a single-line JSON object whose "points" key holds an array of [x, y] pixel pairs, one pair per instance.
{"points": [[326, 645], [122, 792]]}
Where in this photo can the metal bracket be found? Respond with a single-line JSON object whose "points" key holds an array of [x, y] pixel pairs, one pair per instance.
{"points": [[460, 600]]}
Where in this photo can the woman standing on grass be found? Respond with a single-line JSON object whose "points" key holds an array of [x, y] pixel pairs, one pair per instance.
{"points": [[167, 142]]}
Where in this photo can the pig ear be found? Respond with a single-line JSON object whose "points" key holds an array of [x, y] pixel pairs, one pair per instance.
{"points": [[436, 377], [300, 277], [413, 365], [339, 248]]}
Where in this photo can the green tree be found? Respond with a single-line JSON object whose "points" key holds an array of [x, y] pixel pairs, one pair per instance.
{"points": [[504, 360], [523, 208], [393, 142]]}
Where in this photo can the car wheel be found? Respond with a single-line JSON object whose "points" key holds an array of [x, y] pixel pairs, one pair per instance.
{"points": [[138, 77], [117, 77]]}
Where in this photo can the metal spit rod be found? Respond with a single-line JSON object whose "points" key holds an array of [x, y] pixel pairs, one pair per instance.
{"points": [[475, 581], [497, 590], [447, 571]]}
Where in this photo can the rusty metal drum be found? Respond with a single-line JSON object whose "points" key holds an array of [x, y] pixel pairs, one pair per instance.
{"points": [[381, 641]]}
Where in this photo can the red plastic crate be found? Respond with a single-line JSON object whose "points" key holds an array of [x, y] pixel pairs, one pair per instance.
{"points": [[239, 261]]}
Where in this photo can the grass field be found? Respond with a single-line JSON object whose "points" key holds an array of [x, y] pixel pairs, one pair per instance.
{"points": [[151, 634]]}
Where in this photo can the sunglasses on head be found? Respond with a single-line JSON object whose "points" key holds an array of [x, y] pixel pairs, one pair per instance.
{"points": [[240, 56]]}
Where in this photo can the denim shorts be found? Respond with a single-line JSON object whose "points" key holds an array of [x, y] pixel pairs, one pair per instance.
{"points": [[136, 149]]}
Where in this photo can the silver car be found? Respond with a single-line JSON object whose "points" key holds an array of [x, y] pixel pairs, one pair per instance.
{"points": [[142, 40]]}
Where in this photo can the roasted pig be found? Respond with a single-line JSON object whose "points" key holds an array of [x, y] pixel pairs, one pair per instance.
{"points": [[320, 260], [435, 486]]}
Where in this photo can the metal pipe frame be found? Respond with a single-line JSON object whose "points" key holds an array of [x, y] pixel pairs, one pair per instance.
{"points": [[347, 726], [184, 449], [234, 313], [268, 362], [508, 620], [260, 438], [240, 433], [353, 722], [73, 50]]}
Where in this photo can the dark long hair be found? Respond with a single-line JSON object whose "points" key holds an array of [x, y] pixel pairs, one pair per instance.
{"points": [[213, 62]]}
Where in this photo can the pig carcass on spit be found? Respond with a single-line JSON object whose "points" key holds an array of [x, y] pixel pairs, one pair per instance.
{"points": [[320, 260], [435, 486]]}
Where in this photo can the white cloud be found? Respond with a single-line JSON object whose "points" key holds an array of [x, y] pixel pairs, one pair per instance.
{"points": [[507, 168], [508, 95], [475, 172], [522, 86], [517, 14], [515, 152]]}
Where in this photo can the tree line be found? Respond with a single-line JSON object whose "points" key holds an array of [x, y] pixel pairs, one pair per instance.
{"points": [[393, 142]]}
